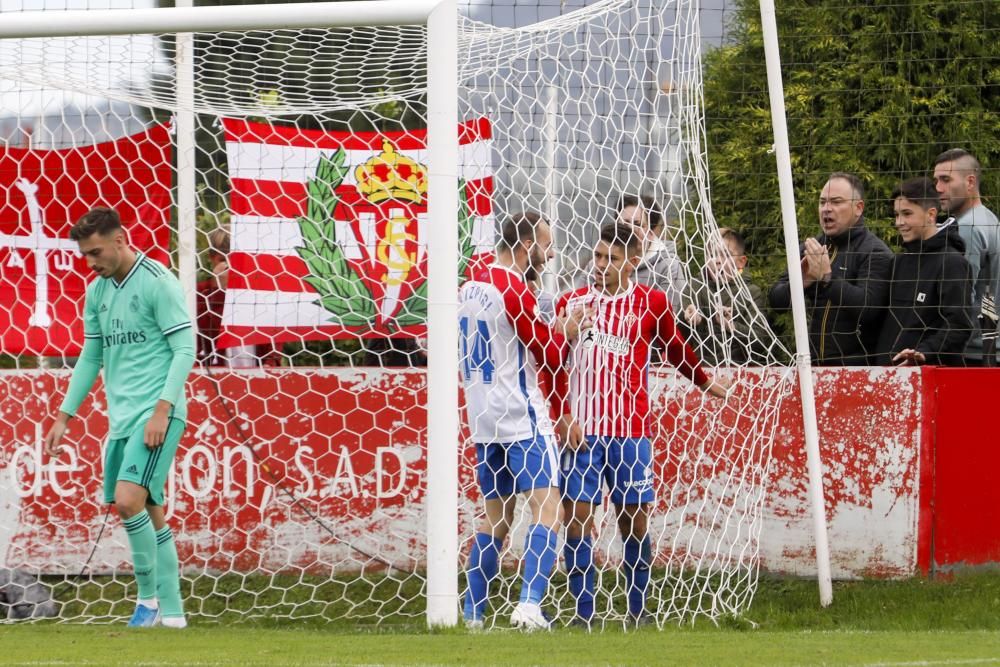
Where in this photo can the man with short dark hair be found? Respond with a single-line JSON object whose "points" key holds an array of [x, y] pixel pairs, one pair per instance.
{"points": [[136, 326], [844, 272], [929, 294], [607, 438], [958, 177]]}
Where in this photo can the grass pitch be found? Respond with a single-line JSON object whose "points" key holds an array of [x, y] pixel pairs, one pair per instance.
{"points": [[870, 623]]}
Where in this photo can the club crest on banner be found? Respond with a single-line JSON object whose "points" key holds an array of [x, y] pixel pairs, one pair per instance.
{"points": [[329, 229], [366, 253], [41, 245]]}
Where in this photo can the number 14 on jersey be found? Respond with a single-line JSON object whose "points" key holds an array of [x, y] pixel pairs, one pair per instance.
{"points": [[477, 353]]}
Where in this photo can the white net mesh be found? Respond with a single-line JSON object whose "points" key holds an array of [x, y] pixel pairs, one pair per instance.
{"points": [[298, 492]]}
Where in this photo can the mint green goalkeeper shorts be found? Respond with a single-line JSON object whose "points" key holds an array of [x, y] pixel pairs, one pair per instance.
{"points": [[129, 460]]}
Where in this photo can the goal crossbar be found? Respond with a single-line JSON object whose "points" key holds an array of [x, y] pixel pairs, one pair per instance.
{"points": [[80, 23]]}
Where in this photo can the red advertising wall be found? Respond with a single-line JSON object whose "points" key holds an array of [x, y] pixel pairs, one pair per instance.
{"points": [[348, 445], [909, 460]]}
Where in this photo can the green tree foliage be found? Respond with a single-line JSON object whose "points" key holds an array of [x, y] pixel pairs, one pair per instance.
{"points": [[874, 88]]}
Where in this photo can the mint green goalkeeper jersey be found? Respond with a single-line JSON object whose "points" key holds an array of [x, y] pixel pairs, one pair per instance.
{"points": [[133, 320]]}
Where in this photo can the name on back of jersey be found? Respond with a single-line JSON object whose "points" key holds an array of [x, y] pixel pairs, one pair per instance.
{"points": [[476, 292]]}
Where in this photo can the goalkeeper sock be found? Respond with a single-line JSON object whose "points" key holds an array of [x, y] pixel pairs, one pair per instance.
{"points": [[142, 541], [483, 565], [539, 557], [579, 556], [638, 558], [168, 582]]}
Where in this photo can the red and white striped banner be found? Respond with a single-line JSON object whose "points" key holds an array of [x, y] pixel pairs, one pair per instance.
{"points": [[285, 284]]}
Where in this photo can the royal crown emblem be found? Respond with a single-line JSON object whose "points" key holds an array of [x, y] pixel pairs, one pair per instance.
{"points": [[390, 175]]}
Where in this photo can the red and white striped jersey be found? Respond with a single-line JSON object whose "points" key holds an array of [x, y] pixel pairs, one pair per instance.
{"points": [[504, 345], [608, 364]]}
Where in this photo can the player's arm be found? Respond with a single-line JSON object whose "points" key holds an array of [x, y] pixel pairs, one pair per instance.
{"points": [[88, 365], [547, 344], [679, 353], [567, 428], [172, 317]]}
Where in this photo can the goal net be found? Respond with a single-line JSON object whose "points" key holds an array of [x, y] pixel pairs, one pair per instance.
{"points": [[283, 173]]}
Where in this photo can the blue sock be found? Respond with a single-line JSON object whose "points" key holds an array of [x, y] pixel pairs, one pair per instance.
{"points": [[483, 565], [638, 558], [579, 556], [539, 557]]}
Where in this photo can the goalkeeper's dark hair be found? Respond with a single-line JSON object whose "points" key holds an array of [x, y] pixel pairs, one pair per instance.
{"points": [[645, 203], [621, 235], [920, 191], [517, 227], [100, 220]]}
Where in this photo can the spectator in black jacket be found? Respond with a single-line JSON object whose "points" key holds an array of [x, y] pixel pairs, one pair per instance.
{"points": [[931, 285], [844, 273]]}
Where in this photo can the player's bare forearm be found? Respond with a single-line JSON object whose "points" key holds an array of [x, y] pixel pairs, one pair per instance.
{"points": [[156, 428]]}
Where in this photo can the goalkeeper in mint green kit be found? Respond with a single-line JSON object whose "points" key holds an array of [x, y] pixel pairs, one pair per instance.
{"points": [[136, 327]]}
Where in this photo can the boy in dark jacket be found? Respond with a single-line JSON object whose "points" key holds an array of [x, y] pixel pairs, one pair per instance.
{"points": [[931, 285]]}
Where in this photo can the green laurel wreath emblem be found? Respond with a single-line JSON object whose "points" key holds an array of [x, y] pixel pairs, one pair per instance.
{"points": [[342, 292]]}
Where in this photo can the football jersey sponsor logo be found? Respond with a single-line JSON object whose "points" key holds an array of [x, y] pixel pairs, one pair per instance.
{"points": [[613, 344], [640, 484], [117, 337], [124, 338]]}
